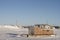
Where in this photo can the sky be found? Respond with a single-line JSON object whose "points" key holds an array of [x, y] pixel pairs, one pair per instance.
{"points": [[30, 12]]}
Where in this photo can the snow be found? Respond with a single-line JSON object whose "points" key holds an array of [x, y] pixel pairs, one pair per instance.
{"points": [[15, 34], [13, 29], [9, 26]]}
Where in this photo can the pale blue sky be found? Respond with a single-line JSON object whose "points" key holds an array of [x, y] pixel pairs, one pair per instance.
{"points": [[29, 12]]}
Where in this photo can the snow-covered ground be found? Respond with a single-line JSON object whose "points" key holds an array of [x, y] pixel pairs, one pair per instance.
{"points": [[9, 34]]}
